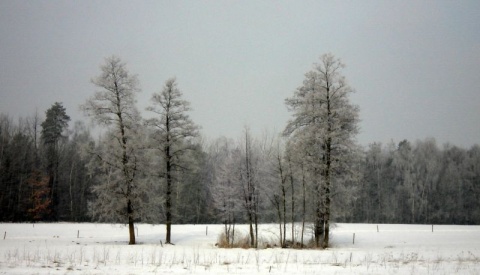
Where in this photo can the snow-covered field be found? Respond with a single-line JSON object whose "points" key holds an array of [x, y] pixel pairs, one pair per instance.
{"points": [[103, 249]]}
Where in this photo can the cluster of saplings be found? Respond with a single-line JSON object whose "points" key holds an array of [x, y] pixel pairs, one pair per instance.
{"points": [[160, 170]]}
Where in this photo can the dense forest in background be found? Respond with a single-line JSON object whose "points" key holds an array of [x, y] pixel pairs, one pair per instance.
{"points": [[394, 183], [160, 170]]}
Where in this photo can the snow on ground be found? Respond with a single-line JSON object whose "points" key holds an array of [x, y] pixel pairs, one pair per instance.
{"points": [[46, 248]]}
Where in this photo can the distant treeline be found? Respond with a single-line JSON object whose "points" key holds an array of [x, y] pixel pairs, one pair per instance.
{"points": [[418, 183], [393, 183]]}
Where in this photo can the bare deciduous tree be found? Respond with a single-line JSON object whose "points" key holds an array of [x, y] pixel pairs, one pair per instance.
{"points": [[173, 131], [114, 106], [324, 114]]}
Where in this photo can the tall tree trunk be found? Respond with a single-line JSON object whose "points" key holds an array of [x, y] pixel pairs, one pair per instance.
{"points": [[72, 216], [250, 192], [168, 202], [327, 171], [256, 226], [319, 225], [131, 226], [276, 202], [292, 199], [304, 208], [283, 215], [252, 236], [126, 174], [284, 201], [327, 210]]}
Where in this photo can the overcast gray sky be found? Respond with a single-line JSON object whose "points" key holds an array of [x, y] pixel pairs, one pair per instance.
{"points": [[415, 65]]}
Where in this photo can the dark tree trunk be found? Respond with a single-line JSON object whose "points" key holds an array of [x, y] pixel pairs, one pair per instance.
{"points": [[292, 199], [249, 194], [284, 201], [168, 202], [328, 155], [279, 213], [252, 236], [168, 222], [131, 226], [256, 226], [319, 225], [304, 204], [126, 174]]}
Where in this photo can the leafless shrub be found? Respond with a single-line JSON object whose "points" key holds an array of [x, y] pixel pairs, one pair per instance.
{"points": [[239, 241]]}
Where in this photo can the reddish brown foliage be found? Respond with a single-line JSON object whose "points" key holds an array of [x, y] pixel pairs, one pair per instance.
{"points": [[40, 198]]}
